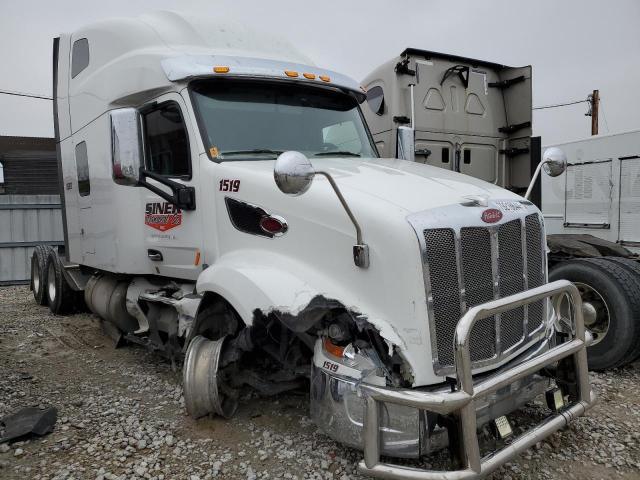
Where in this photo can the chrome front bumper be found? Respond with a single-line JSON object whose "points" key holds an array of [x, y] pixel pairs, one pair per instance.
{"points": [[391, 423]]}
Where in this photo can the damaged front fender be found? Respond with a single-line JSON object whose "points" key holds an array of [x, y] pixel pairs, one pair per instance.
{"points": [[263, 287]]}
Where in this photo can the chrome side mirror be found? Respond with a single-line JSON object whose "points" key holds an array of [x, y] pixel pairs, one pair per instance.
{"points": [[406, 143], [126, 146], [293, 173], [554, 161]]}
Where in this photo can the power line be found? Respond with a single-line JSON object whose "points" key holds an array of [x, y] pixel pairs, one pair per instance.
{"points": [[23, 94], [561, 104]]}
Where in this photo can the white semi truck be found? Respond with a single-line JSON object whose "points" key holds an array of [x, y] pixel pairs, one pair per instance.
{"points": [[225, 205], [474, 117]]}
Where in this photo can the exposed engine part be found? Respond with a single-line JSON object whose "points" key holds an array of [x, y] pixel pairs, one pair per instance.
{"points": [[206, 387], [273, 384]]}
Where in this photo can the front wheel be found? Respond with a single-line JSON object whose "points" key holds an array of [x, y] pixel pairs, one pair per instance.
{"points": [[206, 386], [611, 308]]}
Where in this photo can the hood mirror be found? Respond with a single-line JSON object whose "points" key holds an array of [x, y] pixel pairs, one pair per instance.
{"points": [[554, 161], [294, 173]]}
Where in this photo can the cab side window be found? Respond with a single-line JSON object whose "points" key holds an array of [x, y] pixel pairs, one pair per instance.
{"points": [[166, 141], [79, 56]]}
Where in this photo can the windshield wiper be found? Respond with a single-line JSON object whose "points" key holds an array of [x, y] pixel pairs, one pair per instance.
{"points": [[338, 153], [251, 152]]}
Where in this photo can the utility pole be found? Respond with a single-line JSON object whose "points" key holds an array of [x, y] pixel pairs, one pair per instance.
{"points": [[595, 101]]}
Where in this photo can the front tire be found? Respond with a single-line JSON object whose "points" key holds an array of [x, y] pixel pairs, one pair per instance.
{"points": [[611, 296]]}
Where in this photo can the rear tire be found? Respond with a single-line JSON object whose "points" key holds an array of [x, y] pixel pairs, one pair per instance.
{"points": [[614, 293], [632, 265], [60, 296], [39, 273]]}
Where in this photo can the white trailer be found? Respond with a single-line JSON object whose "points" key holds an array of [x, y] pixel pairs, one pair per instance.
{"points": [[474, 117], [600, 193], [225, 205]]}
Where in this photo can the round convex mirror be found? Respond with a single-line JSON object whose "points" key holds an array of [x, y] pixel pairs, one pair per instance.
{"points": [[293, 173]]}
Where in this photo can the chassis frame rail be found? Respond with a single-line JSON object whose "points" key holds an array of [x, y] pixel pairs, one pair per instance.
{"points": [[461, 402]]}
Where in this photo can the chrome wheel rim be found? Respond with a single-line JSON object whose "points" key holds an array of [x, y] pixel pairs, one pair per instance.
{"points": [[595, 310], [205, 386], [51, 282], [35, 275]]}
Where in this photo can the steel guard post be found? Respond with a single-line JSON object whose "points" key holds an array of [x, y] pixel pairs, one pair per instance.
{"points": [[461, 402]]}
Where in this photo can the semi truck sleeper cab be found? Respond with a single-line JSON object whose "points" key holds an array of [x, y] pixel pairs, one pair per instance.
{"points": [[224, 205]]}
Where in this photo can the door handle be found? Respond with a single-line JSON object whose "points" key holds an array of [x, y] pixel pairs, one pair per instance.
{"points": [[154, 255]]}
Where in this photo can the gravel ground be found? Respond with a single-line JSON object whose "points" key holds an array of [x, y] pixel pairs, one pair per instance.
{"points": [[121, 415]]}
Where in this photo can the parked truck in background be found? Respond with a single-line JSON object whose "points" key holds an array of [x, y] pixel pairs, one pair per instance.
{"points": [[474, 117], [224, 204]]}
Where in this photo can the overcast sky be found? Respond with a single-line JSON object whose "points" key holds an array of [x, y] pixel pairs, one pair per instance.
{"points": [[573, 45]]}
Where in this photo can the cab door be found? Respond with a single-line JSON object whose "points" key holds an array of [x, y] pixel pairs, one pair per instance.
{"points": [[172, 236]]}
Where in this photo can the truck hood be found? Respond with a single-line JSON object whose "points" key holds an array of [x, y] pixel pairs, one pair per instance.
{"points": [[408, 185]]}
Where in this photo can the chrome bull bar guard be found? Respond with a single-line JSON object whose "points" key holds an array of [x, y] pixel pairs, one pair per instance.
{"points": [[461, 401]]}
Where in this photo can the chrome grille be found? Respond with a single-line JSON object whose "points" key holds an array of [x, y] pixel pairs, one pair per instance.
{"points": [[511, 280], [535, 269], [472, 265], [478, 283], [445, 289]]}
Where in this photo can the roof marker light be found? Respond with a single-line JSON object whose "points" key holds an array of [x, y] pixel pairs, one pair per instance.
{"points": [[325, 78], [291, 73], [221, 69], [310, 76]]}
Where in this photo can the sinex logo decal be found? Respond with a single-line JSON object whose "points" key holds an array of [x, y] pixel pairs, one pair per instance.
{"points": [[162, 216]]}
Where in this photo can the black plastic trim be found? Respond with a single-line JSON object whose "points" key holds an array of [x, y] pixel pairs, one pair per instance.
{"points": [[246, 217], [56, 130]]}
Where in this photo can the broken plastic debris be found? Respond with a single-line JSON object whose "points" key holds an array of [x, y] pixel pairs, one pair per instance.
{"points": [[26, 422]]}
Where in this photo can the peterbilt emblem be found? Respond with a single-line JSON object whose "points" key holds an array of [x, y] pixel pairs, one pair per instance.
{"points": [[491, 215]]}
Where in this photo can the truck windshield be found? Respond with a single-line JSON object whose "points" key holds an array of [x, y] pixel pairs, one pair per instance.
{"points": [[249, 120]]}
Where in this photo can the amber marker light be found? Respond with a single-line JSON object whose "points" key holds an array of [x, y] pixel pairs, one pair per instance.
{"points": [[310, 76], [333, 349], [325, 78], [221, 69], [291, 73]]}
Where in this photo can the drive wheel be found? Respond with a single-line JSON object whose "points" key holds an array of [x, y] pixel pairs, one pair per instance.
{"points": [[39, 274], [206, 387], [60, 296], [611, 308]]}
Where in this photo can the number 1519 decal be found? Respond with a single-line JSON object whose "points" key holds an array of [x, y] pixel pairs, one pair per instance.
{"points": [[229, 185]]}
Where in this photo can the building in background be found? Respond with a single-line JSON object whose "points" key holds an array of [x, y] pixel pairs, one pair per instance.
{"points": [[29, 203], [28, 166]]}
